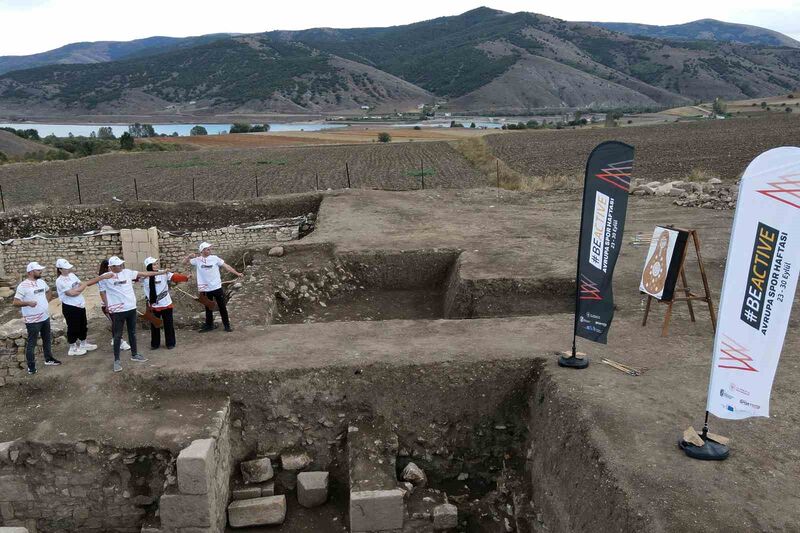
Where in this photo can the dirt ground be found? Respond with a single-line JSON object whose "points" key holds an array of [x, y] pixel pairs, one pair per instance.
{"points": [[633, 423], [356, 134]]}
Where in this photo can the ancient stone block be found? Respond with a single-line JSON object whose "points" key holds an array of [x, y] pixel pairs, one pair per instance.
{"points": [[445, 516], [376, 510], [270, 510], [184, 510], [246, 493], [257, 470], [196, 467], [13, 530], [312, 488], [5, 449]]}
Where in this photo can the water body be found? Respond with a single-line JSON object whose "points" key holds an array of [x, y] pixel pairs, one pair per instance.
{"points": [[63, 130]]}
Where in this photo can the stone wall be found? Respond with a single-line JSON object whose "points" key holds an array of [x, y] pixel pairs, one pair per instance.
{"points": [[82, 487], [83, 251], [198, 501]]}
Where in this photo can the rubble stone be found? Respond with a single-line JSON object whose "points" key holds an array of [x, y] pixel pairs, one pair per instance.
{"points": [[246, 493], [415, 475], [376, 510], [445, 516], [295, 461], [269, 510], [257, 470], [312, 488]]}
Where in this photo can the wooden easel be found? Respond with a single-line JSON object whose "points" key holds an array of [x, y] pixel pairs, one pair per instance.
{"points": [[689, 296]]}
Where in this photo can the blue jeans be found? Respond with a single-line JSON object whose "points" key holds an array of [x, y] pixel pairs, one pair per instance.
{"points": [[34, 330]]}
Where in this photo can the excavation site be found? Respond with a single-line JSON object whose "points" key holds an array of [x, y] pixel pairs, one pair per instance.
{"points": [[392, 367]]}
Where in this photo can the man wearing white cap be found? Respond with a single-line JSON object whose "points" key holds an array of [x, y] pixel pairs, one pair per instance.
{"points": [[120, 299], [73, 306], [32, 296], [209, 282], [156, 294]]}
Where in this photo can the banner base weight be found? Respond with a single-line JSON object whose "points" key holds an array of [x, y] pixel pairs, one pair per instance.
{"points": [[709, 451], [573, 362]]}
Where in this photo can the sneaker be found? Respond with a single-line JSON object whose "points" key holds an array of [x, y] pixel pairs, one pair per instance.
{"points": [[117, 366], [139, 358], [88, 346], [228, 329], [124, 346], [31, 370], [76, 350], [52, 362], [203, 329]]}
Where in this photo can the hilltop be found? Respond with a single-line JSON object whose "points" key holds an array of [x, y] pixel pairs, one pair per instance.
{"points": [[482, 61]]}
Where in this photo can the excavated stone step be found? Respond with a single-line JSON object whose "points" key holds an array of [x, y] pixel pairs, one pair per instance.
{"points": [[376, 501]]}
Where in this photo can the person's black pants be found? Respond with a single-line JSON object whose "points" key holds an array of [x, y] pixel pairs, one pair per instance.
{"points": [[77, 327], [34, 330], [118, 320], [169, 329], [218, 296]]}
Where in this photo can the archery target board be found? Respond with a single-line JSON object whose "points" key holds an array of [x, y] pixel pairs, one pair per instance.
{"points": [[663, 263]]}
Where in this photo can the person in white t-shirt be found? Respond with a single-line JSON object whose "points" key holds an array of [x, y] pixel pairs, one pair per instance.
{"points": [[33, 296], [120, 301], [209, 282], [159, 301], [73, 305]]}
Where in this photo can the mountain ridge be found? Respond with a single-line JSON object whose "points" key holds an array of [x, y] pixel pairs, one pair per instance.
{"points": [[483, 60]]}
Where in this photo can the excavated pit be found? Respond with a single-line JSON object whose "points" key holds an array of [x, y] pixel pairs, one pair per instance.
{"points": [[322, 286]]}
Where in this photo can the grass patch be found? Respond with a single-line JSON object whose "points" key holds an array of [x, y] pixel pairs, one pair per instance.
{"points": [[424, 173], [477, 153], [700, 175], [271, 162], [189, 163]]}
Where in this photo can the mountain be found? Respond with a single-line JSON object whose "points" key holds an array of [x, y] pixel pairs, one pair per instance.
{"points": [[102, 51], [482, 60], [705, 30]]}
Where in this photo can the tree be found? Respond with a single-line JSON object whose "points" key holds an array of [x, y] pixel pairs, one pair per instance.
{"points": [[106, 133], [384, 137], [92, 135], [719, 107], [763, 105], [141, 130], [126, 141], [198, 130], [240, 127], [788, 109], [472, 125]]}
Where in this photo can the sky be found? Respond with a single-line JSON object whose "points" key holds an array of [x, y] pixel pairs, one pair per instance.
{"points": [[31, 26]]}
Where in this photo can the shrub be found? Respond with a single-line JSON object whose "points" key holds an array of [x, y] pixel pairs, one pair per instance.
{"points": [[417, 128], [788, 109], [105, 133], [3, 157], [126, 141], [384, 137], [198, 130], [141, 130]]}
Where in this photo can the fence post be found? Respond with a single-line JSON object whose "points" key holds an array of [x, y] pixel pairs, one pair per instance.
{"points": [[193, 188], [316, 180], [422, 172], [347, 170], [257, 194], [2, 199], [136, 189], [78, 181]]}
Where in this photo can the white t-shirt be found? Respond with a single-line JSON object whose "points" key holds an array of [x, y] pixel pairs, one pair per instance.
{"points": [[119, 291], [66, 283], [208, 278], [33, 291], [163, 298]]}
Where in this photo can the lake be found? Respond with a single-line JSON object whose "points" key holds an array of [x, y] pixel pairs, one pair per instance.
{"points": [[63, 130]]}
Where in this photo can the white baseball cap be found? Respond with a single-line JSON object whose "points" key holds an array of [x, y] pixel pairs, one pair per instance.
{"points": [[149, 261], [114, 261], [33, 265], [63, 263], [204, 245]]}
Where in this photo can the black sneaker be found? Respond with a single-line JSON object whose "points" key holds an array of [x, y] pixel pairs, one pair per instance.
{"points": [[228, 329], [31, 371], [52, 362], [203, 329]]}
